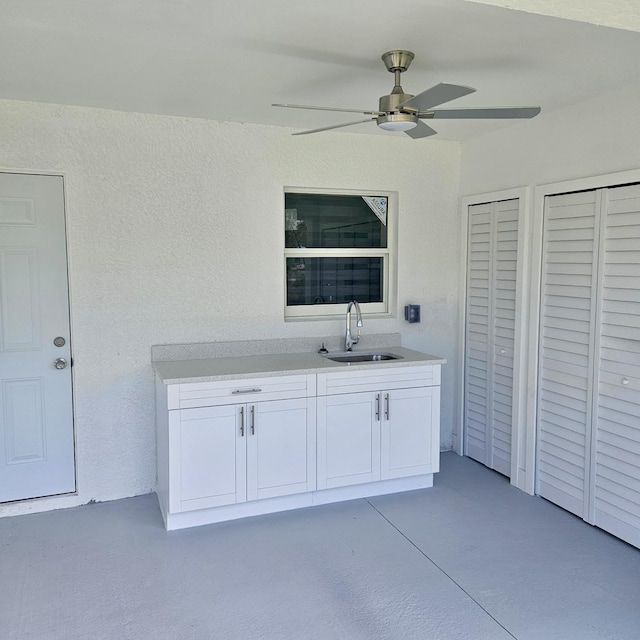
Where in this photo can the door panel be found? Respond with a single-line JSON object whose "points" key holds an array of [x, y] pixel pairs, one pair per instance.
{"points": [[504, 309], [210, 464], [617, 466], [566, 347], [278, 447], [348, 439], [490, 332], [21, 328], [36, 416], [478, 341], [410, 433]]}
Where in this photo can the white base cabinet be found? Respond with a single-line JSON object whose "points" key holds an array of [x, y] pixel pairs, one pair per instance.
{"points": [[284, 442], [234, 453], [371, 436]]}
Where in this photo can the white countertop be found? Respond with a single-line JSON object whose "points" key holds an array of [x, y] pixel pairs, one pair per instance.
{"points": [[210, 369]]}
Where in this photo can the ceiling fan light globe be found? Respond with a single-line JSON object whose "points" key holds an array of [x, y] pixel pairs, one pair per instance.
{"points": [[397, 122]]}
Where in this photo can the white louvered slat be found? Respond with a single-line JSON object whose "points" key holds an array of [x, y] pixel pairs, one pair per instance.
{"points": [[566, 339], [617, 427]]}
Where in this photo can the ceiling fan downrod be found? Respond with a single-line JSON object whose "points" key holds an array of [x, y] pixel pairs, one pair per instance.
{"points": [[397, 62]]}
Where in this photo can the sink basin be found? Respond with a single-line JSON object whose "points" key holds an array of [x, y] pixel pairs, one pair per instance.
{"points": [[349, 358]]}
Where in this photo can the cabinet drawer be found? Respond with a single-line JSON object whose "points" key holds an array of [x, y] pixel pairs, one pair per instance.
{"points": [[222, 392], [374, 379]]}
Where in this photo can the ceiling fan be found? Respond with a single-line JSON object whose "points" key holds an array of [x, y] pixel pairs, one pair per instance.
{"points": [[400, 111]]}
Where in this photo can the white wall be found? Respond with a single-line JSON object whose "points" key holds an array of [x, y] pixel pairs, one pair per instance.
{"points": [[595, 137], [175, 235]]}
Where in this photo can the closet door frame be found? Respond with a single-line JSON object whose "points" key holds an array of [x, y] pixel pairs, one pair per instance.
{"points": [[534, 303], [522, 315]]}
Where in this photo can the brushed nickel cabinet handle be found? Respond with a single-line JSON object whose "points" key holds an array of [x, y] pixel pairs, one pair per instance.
{"points": [[239, 391], [241, 421], [387, 405], [253, 419]]}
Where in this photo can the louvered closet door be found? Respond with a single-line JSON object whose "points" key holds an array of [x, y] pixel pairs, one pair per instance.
{"points": [[490, 329], [504, 309], [617, 469], [567, 317], [477, 322]]}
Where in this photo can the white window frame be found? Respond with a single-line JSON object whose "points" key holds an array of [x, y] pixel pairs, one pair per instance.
{"points": [[388, 255]]}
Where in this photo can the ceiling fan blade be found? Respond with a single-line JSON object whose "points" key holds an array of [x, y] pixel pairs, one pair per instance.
{"points": [[482, 114], [439, 94], [303, 106], [422, 130], [333, 126]]}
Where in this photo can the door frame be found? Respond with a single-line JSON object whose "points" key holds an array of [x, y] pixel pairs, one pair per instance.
{"points": [[58, 174], [518, 436], [603, 181]]}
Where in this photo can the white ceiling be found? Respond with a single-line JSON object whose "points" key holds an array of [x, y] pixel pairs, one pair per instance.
{"points": [[228, 60]]}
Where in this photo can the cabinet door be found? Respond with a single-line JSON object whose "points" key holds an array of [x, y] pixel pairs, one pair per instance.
{"points": [[209, 465], [410, 424], [280, 448], [348, 439]]}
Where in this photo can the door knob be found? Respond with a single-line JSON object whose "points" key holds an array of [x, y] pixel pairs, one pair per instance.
{"points": [[60, 363]]}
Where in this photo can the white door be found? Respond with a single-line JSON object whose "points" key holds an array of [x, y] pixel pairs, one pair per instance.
{"points": [[566, 359], [410, 431], [589, 384], [208, 464], [490, 332], [616, 480], [478, 325], [348, 439], [36, 415], [280, 448]]}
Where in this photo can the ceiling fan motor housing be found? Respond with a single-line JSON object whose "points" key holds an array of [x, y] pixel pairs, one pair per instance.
{"points": [[390, 103]]}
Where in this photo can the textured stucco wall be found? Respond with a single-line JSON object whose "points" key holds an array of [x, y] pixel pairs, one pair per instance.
{"points": [[595, 137], [175, 235], [619, 14]]}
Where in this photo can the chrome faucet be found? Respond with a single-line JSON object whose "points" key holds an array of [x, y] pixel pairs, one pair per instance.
{"points": [[349, 341]]}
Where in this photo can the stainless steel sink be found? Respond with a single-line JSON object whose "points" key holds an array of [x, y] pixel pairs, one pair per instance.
{"points": [[359, 358]]}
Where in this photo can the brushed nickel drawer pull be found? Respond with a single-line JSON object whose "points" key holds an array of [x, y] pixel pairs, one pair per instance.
{"points": [[239, 391], [242, 421]]}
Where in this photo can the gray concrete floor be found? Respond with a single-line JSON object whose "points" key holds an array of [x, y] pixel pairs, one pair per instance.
{"points": [[471, 558]]}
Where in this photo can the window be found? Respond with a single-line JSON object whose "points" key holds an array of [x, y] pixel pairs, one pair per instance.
{"points": [[338, 247]]}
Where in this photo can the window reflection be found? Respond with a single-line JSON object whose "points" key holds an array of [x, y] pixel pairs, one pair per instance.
{"points": [[334, 280]]}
